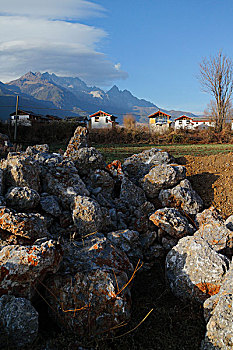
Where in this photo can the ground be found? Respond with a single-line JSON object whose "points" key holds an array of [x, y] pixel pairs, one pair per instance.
{"points": [[211, 177]]}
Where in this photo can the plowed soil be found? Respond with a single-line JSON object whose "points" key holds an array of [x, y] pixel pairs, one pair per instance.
{"points": [[212, 178]]}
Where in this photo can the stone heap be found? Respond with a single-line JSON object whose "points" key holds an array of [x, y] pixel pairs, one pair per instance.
{"points": [[77, 230]]}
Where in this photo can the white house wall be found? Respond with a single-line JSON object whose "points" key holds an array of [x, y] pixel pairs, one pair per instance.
{"points": [[101, 123], [192, 124]]}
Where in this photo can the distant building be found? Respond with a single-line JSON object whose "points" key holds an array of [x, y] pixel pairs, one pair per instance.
{"points": [[102, 120], [27, 118], [159, 121], [185, 122]]}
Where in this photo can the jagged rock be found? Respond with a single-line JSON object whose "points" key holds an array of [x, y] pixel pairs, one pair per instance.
{"points": [[47, 159], [50, 205], [63, 181], [87, 159], [229, 222], [29, 226], [78, 141], [171, 222], [168, 242], [21, 170], [24, 267], [129, 242], [155, 252], [37, 149], [219, 314], [194, 270], [1, 182], [87, 215], [139, 164], [131, 194], [115, 169], [213, 230], [22, 198], [182, 196], [162, 176], [99, 181], [91, 279], [19, 321]]}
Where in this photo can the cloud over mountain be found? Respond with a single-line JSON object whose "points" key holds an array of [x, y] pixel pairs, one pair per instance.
{"points": [[47, 37]]}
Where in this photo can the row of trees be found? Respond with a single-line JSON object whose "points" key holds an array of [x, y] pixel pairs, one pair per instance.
{"points": [[216, 78]]}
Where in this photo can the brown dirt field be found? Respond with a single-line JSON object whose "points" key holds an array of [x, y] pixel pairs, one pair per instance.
{"points": [[211, 177]]}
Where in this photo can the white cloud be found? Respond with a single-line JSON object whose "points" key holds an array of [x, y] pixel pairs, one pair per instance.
{"points": [[52, 9], [33, 41]]}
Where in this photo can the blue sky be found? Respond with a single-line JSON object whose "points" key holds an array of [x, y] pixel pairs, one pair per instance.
{"points": [[150, 47]]}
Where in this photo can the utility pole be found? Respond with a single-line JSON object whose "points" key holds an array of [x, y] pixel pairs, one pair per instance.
{"points": [[16, 118]]}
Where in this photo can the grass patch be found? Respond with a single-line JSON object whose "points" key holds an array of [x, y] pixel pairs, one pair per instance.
{"points": [[113, 151]]}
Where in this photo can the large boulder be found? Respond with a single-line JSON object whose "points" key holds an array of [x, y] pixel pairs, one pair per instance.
{"points": [[182, 196], [218, 309], [19, 321], [100, 182], [21, 170], [24, 267], [37, 149], [162, 176], [29, 226], [171, 222], [129, 242], [139, 164], [50, 205], [87, 215], [194, 270], [22, 198], [90, 293]]}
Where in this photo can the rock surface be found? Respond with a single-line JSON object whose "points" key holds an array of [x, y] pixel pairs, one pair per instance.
{"points": [[19, 321], [194, 270], [182, 196], [219, 334], [22, 198], [87, 215], [139, 164], [21, 170], [29, 226]]}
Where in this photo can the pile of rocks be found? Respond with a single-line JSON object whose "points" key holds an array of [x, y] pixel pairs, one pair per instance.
{"points": [[75, 231]]}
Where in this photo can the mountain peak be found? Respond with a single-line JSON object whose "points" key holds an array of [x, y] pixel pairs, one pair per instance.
{"points": [[114, 89]]}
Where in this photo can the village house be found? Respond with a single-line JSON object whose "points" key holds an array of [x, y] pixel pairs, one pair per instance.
{"points": [[159, 121], [185, 122], [102, 120], [27, 118]]}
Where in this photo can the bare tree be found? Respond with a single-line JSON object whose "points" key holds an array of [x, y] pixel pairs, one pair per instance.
{"points": [[211, 112], [129, 121], [216, 77]]}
